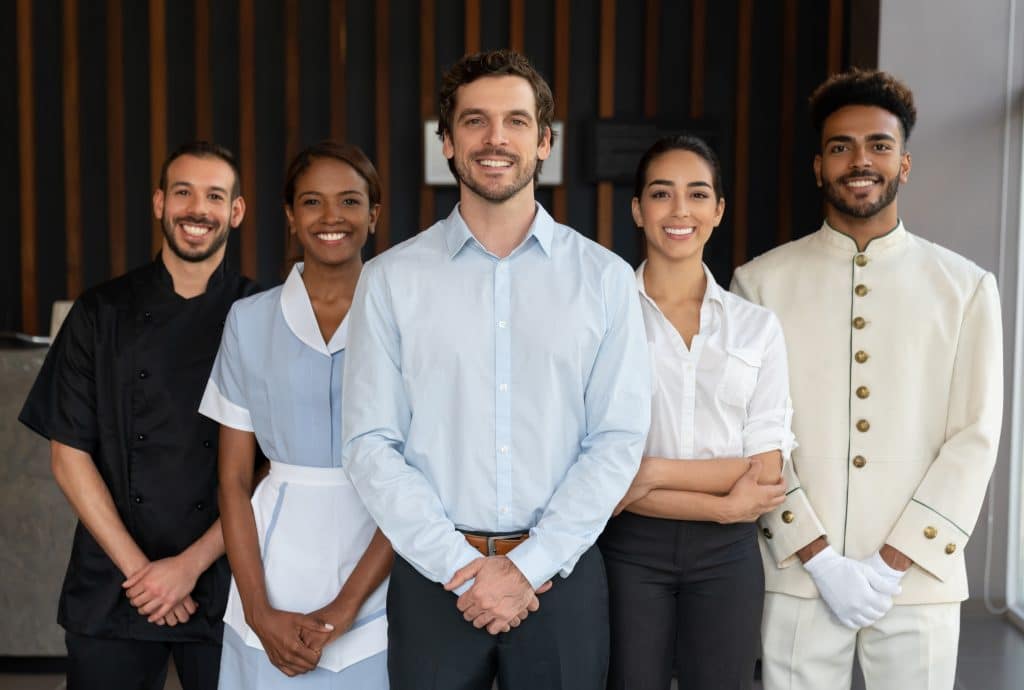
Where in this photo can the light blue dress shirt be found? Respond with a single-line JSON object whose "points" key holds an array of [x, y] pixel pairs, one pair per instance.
{"points": [[495, 395]]}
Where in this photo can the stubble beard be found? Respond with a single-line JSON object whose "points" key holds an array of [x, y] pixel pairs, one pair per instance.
{"points": [[833, 196], [499, 194], [220, 238]]}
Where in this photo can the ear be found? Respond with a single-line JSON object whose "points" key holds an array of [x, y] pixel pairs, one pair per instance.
{"points": [[638, 218], [544, 148], [447, 148], [237, 211], [158, 204], [374, 215], [290, 217], [817, 169], [905, 167], [719, 211]]}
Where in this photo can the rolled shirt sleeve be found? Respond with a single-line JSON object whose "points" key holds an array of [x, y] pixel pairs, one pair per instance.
{"points": [[770, 410], [224, 399]]}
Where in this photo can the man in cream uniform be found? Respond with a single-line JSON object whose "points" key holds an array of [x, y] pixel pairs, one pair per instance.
{"points": [[895, 353]]}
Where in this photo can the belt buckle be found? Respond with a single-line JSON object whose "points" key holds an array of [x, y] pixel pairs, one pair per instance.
{"points": [[492, 547]]}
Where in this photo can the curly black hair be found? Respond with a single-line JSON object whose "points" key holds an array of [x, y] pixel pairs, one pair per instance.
{"points": [[864, 87]]}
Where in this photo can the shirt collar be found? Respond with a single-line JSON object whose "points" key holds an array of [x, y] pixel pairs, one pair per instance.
{"points": [[298, 314], [457, 233], [712, 293], [840, 240]]}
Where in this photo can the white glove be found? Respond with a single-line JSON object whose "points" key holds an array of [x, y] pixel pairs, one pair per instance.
{"points": [[853, 591], [890, 575]]}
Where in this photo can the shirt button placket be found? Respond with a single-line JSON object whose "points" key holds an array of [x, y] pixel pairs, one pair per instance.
{"points": [[859, 392], [502, 399]]}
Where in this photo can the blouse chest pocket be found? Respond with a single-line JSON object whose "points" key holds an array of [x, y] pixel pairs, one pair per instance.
{"points": [[739, 376]]}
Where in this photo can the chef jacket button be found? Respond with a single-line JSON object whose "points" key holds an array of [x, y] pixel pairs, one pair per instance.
{"points": [[861, 260], [861, 356], [207, 443], [787, 516], [859, 461], [200, 505], [140, 437], [863, 392], [861, 290], [143, 374], [138, 499], [950, 549], [863, 425], [767, 533], [930, 532], [147, 315], [859, 322]]}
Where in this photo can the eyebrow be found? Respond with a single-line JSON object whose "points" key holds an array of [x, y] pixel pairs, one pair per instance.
{"points": [[345, 192], [670, 183], [182, 183], [846, 138], [480, 111]]}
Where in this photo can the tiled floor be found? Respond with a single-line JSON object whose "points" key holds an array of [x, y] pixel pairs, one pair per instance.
{"points": [[991, 658]]}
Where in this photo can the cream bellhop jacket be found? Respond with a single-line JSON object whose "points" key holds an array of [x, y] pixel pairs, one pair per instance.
{"points": [[895, 360]]}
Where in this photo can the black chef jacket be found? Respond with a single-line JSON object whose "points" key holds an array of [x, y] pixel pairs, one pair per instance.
{"points": [[122, 382]]}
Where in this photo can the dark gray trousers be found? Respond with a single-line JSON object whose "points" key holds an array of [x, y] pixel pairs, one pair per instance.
{"points": [[683, 595], [562, 646], [96, 663]]}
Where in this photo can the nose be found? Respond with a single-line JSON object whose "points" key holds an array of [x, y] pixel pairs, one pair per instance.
{"points": [[496, 135], [682, 207], [860, 158]]}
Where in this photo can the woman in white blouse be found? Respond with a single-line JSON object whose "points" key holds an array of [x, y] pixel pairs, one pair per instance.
{"points": [[684, 572]]}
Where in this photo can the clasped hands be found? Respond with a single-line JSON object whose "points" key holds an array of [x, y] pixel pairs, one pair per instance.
{"points": [[161, 590], [858, 593], [501, 597], [294, 641]]}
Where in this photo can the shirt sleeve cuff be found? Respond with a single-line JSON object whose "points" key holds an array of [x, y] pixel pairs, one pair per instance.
{"points": [[218, 408], [934, 543], [532, 562], [790, 527]]}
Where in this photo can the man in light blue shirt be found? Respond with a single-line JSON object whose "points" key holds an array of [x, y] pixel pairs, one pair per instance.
{"points": [[496, 400]]}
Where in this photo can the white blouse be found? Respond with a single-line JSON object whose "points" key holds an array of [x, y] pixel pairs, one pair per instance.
{"points": [[727, 396]]}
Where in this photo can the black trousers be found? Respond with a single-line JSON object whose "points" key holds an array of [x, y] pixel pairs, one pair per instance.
{"points": [[96, 663], [562, 646], [686, 595]]}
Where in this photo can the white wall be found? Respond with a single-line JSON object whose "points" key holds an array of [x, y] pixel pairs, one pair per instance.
{"points": [[965, 185]]}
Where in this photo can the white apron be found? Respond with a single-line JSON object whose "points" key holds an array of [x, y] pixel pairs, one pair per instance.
{"points": [[313, 529]]}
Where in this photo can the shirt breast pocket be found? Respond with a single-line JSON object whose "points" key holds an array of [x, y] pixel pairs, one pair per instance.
{"points": [[739, 377]]}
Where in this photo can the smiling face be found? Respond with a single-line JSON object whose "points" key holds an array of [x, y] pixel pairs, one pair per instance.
{"points": [[678, 208], [862, 163], [331, 214], [196, 211], [495, 142]]}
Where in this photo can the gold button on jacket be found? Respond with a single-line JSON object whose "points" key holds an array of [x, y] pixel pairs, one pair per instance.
{"points": [[859, 461], [950, 549], [859, 322], [861, 356], [787, 516], [860, 290], [863, 392], [863, 425], [861, 260], [930, 532]]}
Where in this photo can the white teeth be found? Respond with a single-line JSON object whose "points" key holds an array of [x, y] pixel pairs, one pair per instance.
{"points": [[495, 164], [331, 236], [194, 230], [860, 183], [679, 232]]}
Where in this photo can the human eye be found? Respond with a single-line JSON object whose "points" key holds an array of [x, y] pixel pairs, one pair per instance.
{"points": [[310, 201], [837, 148], [883, 146], [181, 191], [351, 202], [215, 196], [659, 194], [700, 195]]}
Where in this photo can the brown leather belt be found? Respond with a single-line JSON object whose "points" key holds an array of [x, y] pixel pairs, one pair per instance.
{"points": [[497, 545]]}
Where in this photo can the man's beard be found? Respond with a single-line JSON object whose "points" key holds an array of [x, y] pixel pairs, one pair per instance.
{"points": [[500, 194], [866, 210], [220, 237]]}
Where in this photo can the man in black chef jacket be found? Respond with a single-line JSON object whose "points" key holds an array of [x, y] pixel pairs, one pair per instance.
{"points": [[117, 397]]}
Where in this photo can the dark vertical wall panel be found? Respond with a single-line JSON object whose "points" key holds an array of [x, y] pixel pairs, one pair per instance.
{"points": [[266, 77]]}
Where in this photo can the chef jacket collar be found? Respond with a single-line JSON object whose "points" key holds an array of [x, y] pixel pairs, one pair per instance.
{"points": [[165, 279], [298, 314]]}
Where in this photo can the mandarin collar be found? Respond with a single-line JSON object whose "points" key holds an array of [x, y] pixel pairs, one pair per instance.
{"points": [[840, 240], [298, 314], [163, 276], [457, 233]]}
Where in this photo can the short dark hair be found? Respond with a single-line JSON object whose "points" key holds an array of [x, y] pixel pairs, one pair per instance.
{"points": [[203, 149], [495, 63], [679, 142], [346, 153], [864, 87]]}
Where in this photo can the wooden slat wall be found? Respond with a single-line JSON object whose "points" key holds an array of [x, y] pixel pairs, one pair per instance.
{"points": [[717, 98], [157, 100], [72, 151]]}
